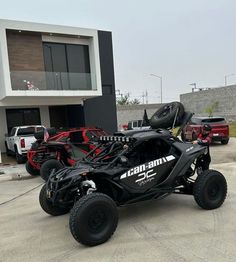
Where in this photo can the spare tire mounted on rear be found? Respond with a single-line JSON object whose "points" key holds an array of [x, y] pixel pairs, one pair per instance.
{"points": [[167, 116]]}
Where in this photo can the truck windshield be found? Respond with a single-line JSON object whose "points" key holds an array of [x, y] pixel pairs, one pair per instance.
{"points": [[26, 131], [219, 120]]}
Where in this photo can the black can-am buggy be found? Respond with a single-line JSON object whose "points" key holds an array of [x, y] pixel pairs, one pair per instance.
{"points": [[132, 166]]}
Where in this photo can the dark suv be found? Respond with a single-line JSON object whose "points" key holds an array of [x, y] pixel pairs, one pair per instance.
{"points": [[219, 132]]}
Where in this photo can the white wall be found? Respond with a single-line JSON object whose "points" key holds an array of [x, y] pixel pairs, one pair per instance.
{"points": [[2, 65], [44, 115], [3, 128]]}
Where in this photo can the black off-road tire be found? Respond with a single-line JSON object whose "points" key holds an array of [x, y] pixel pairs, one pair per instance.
{"points": [[164, 117], [19, 158], [31, 170], [47, 205], [48, 166], [210, 189], [93, 219], [8, 152], [224, 141]]}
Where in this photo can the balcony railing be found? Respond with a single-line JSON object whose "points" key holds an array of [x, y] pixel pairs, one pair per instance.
{"points": [[39, 80]]}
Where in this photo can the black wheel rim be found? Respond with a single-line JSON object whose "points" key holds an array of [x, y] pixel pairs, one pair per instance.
{"points": [[97, 220]]}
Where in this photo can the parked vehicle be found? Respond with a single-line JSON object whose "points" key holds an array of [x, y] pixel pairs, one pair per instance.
{"points": [[219, 132], [62, 149], [132, 166], [137, 125], [19, 141]]}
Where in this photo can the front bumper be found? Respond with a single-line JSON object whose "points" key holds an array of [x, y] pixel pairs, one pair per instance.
{"points": [[218, 138], [64, 185]]}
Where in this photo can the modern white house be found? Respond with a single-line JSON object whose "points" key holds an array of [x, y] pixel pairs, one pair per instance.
{"points": [[55, 76]]}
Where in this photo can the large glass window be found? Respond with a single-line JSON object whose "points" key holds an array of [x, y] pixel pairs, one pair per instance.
{"points": [[67, 66]]}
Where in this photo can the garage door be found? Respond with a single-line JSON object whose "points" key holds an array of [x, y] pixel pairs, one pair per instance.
{"points": [[22, 117]]}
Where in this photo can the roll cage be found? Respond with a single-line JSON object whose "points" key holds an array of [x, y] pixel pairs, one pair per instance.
{"points": [[116, 148]]}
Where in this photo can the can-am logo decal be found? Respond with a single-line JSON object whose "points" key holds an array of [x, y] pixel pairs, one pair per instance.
{"points": [[145, 171], [190, 148], [145, 177]]}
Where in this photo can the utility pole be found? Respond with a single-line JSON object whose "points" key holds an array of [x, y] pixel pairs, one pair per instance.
{"points": [[226, 76], [194, 86], [146, 95], [160, 83], [143, 96]]}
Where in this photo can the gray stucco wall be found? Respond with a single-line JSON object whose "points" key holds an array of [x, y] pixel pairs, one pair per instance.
{"points": [[197, 102], [126, 113]]}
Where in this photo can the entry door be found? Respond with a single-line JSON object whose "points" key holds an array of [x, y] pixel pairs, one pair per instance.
{"points": [[67, 116], [22, 117], [58, 116]]}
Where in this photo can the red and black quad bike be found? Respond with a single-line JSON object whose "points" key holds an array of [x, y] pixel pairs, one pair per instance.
{"points": [[61, 149]]}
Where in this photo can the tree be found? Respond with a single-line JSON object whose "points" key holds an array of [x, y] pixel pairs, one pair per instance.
{"points": [[135, 101], [212, 108], [123, 100]]}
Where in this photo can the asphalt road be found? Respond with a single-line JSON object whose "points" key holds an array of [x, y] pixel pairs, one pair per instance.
{"points": [[173, 229]]}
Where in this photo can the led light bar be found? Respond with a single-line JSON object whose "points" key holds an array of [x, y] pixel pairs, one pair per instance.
{"points": [[116, 138]]}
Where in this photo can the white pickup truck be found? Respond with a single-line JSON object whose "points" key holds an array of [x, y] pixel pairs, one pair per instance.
{"points": [[19, 141]]}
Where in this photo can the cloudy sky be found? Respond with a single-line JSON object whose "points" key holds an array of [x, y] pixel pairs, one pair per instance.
{"points": [[184, 41]]}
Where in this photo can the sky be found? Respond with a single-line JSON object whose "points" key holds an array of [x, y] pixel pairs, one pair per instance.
{"points": [[184, 41]]}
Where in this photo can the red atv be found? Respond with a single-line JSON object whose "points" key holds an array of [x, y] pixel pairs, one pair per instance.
{"points": [[61, 149]]}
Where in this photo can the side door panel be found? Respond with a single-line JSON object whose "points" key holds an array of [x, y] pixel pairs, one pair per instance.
{"points": [[151, 163], [142, 177]]}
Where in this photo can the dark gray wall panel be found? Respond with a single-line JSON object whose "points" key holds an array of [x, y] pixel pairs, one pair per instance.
{"points": [[101, 111]]}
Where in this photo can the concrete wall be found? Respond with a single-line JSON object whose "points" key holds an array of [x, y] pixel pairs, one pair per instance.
{"points": [[126, 113], [2, 66], [197, 102], [3, 129], [44, 115]]}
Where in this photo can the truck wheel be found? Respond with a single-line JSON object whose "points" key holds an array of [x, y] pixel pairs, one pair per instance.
{"points": [[47, 205], [19, 158], [225, 141], [93, 219], [31, 170], [8, 153], [210, 189], [48, 166]]}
